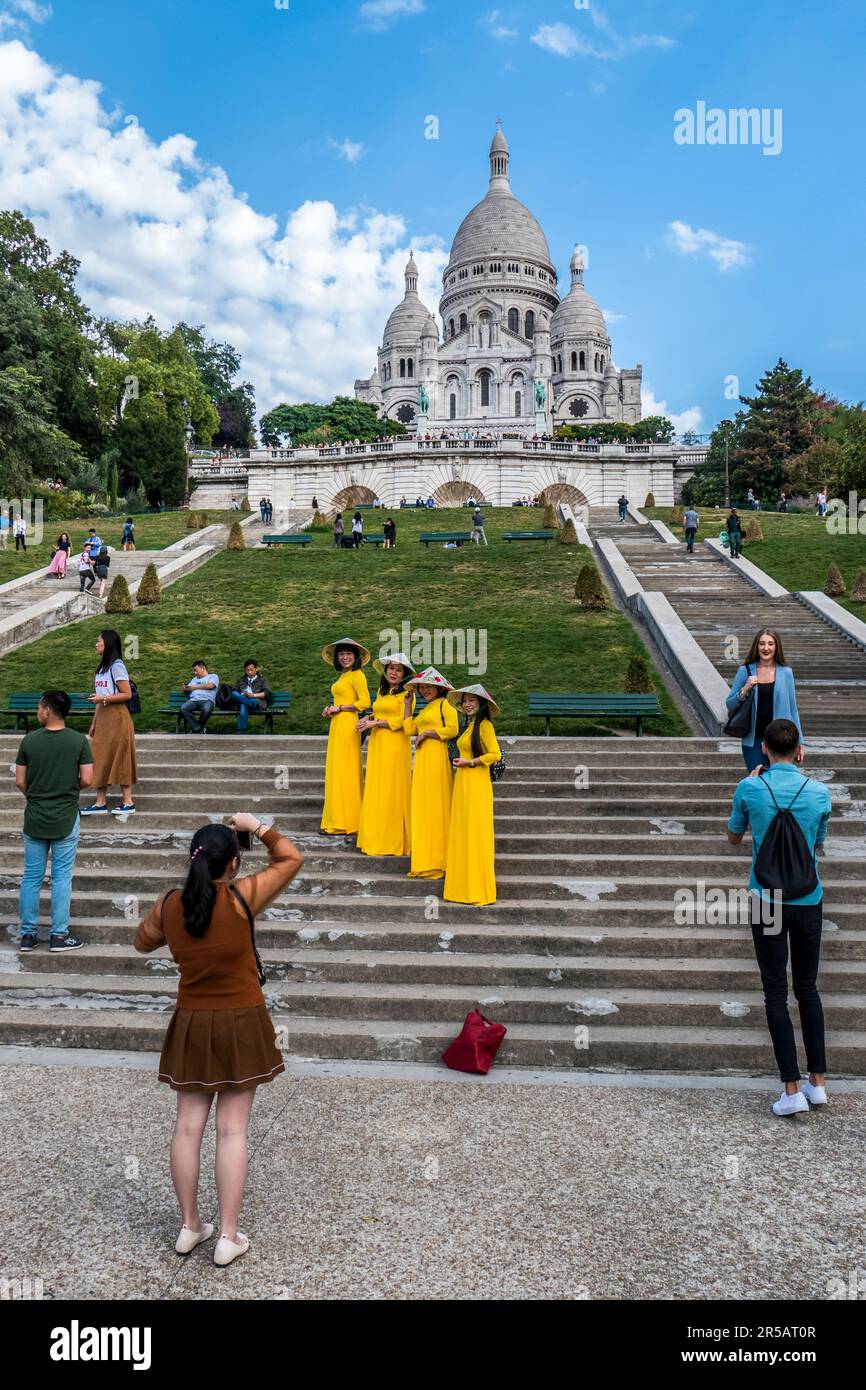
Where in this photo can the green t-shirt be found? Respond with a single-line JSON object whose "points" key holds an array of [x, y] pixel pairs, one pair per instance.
{"points": [[52, 758]]}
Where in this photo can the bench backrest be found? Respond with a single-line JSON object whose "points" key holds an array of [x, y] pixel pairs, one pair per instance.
{"points": [[540, 703], [528, 535], [280, 700], [296, 537], [26, 701], [445, 536]]}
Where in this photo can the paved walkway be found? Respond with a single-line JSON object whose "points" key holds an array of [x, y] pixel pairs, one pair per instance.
{"points": [[378, 1188]]}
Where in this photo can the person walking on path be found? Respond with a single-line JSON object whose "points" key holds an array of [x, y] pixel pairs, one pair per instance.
{"points": [[623, 507], [478, 533], [60, 558], [201, 688], [53, 766], [127, 538], [100, 568], [470, 875], [766, 673], [691, 522], [734, 528], [432, 777], [250, 691], [384, 827], [220, 1039], [757, 800], [111, 731], [350, 698], [86, 572]]}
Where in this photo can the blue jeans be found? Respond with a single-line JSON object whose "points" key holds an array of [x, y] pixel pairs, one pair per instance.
{"points": [[245, 703], [197, 713], [35, 863]]}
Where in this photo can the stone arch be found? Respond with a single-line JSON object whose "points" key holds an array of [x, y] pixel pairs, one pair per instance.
{"points": [[456, 494], [351, 497], [562, 492]]}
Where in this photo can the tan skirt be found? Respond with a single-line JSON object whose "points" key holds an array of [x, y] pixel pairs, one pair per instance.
{"points": [[113, 746], [219, 1050]]}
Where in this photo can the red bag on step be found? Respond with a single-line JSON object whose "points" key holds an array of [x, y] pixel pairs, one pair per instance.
{"points": [[476, 1046]]}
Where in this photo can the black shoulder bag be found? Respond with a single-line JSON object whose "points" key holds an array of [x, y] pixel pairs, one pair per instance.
{"points": [[249, 916], [740, 722]]}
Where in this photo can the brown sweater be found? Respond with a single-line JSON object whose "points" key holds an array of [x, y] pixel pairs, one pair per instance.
{"points": [[218, 970]]}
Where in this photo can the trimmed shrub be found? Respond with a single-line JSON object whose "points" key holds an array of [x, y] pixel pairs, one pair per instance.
{"points": [[676, 516], [858, 589], [834, 584], [119, 599], [150, 589], [588, 588], [638, 680], [236, 538], [567, 534], [753, 530], [650, 500], [320, 522], [193, 521], [550, 521], [245, 504]]}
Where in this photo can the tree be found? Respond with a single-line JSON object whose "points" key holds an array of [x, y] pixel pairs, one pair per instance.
{"points": [[28, 438], [655, 429], [858, 588], [549, 520], [566, 534], [834, 585], [589, 589], [779, 425], [119, 598], [638, 680], [309, 423], [153, 453], [218, 365], [150, 589], [236, 540]]}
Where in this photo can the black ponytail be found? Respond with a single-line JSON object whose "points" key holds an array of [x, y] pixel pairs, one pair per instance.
{"points": [[475, 743], [211, 851]]}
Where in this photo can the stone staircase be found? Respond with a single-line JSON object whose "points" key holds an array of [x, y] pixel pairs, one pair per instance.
{"points": [[582, 957], [722, 610]]}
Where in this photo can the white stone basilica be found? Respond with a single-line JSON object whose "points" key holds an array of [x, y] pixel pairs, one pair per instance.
{"points": [[513, 356]]}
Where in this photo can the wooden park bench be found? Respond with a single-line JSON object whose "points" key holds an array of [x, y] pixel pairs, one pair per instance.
{"points": [[443, 537], [23, 705], [528, 535], [294, 538], [280, 703], [549, 707], [372, 540]]}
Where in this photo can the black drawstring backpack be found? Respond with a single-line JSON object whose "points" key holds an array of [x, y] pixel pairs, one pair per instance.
{"points": [[784, 863]]}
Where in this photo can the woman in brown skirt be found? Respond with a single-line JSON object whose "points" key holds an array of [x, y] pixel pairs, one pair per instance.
{"points": [[220, 1040], [111, 731]]}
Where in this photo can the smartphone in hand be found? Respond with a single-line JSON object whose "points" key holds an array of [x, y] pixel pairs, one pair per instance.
{"points": [[244, 839]]}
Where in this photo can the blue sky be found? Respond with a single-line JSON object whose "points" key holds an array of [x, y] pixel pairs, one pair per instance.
{"points": [[711, 260]]}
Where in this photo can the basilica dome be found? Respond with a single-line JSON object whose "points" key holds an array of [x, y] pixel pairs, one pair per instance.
{"points": [[406, 322], [577, 315], [499, 225]]}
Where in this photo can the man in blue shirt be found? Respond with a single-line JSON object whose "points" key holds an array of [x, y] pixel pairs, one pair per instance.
{"points": [[798, 919], [201, 690], [691, 522]]}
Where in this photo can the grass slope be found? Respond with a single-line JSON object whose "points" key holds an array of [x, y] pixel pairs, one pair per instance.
{"points": [[153, 531], [282, 605]]}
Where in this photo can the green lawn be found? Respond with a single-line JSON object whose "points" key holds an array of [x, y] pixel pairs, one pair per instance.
{"points": [[153, 531], [797, 548], [282, 605]]}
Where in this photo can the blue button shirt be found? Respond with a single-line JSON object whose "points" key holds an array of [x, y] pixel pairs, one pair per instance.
{"points": [[753, 805]]}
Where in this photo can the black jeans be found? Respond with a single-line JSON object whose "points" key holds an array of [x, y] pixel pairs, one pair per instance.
{"points": [[690, 538], [86, 578], [803, 926]]}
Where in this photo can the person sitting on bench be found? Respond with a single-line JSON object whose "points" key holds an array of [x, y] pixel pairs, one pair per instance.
{"points": [[249, 692], [202, 690]]}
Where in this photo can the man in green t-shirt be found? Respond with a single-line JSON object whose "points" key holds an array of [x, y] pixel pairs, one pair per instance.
{"points": [[53, 765]]}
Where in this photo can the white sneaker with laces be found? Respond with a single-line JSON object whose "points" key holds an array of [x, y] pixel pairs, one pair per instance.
{"points": [[815, 1095], [796, 1104], [188, 1240], [227, 1250]]}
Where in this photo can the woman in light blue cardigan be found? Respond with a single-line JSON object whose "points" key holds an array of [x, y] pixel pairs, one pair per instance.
{"points": [[765, 670]]}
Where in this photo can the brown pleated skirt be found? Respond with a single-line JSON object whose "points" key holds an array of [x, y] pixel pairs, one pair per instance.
{"points": [[219, 1050], [113, 746]]}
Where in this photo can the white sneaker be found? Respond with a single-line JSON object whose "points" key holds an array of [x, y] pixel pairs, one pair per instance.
{"points": [[227, 1250], [815, 1095], [796, 1104], [188, 1240]]}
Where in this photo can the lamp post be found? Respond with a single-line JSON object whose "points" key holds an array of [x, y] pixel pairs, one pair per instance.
{"points": [[726, 426]]}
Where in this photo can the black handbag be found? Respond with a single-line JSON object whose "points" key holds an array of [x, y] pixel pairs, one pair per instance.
{"points": [[740, 722], [223, 696]]}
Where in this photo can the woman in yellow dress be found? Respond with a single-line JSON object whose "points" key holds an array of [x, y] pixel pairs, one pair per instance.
{"points": [[385, 809], [351, 697], [432, 778], [469, 868]]}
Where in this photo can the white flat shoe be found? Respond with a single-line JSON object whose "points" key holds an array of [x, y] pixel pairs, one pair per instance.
{"points": [[188, 1240], [227, 1250], [815, 1095], [796, 1104]]}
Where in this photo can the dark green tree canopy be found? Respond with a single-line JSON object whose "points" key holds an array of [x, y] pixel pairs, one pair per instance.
{"points": [[309, 423]]}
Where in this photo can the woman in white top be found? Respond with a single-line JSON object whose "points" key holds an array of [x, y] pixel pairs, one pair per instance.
{"points": [[111, 732], [357, 529]]}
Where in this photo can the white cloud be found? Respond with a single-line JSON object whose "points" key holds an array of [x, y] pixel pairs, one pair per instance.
{"points": [[350, 150], [684, 420], [303, 296], [611, 317], [565, 42], [725, 251], [16, 13], [381, 14], [498, 30]]}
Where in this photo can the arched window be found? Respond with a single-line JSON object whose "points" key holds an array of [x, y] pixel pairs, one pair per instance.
{"points": [[530, 323], [485, 388], [574, 361], [602, 361], [513, 321], [409, 371], [452, 406], [583, 361], [596, 361], [463, 322], [402, 366], [560, 364], [553, 361], [518, 405], [451, 326]]}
